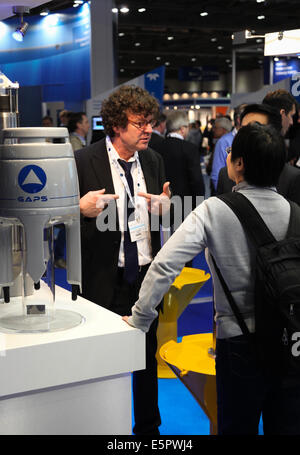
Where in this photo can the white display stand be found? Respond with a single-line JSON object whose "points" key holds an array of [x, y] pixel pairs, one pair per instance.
{"points": [[71, 382]]}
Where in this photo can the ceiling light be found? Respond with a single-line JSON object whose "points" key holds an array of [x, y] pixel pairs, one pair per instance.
{"points": [[20, 31], [122, 70], [193, 59], [204, 14], [79, 2], [213, 40], [121, 34], [261, 17], [124, 9], [220, 48], [51, 20], [137, 44], [260, 1], [167, 63], [276, 59], [132, 61], [158, 58], [45, 12], [141, 10], [3, 28], [170, 38], [114, 10], [75, 5]]}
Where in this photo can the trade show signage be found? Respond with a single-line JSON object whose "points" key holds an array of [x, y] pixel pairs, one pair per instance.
{"points": [[198, 73], [284, 68], [154, 82]]}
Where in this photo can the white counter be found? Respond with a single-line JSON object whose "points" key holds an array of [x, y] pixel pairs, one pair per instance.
{"points": [[75, 381]]}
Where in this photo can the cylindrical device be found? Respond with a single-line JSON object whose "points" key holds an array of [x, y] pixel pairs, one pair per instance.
{"points": [[9, 109], [9, 118], [39, 189]]}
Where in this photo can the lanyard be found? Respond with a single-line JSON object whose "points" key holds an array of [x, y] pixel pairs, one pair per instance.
{"points": [[120, 170]]}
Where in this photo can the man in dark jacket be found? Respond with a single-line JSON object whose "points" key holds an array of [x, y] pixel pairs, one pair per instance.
{"points": [[122, 172], [182, 164]]}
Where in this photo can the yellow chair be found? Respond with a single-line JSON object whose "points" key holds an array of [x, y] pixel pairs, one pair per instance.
{"points": [[181, 292], [192, 361]]}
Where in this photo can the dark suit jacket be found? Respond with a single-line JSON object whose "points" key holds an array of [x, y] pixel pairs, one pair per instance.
{"points": [[100, 250], [183, 170], [288, 184], [155, 141]]}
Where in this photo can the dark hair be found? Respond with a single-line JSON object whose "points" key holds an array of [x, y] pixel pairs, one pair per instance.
{"points": [[47, 117], [160, 118], [280, 99], [74, 118], [263, 151], [274, 117], [127, 98], [238, 110]]}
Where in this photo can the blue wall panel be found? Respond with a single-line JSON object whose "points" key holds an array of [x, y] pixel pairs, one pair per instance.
{"points": [[56, 57]]}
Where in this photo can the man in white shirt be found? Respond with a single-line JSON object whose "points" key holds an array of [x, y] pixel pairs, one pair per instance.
{"points": [[118, 240]]}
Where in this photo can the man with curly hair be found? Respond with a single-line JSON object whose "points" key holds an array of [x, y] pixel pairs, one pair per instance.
{"points": [[120, 175]]}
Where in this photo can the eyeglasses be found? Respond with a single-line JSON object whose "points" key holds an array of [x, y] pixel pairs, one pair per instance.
{"points": [[228, 150], [142, 125]]}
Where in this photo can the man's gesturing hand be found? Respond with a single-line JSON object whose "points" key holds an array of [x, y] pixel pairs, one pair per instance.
{"points": [[93, 202], [158, 204]]}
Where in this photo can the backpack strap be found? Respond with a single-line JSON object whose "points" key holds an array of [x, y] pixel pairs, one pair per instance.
{"points": [[249, 217], [294, 224], [231, 301]]}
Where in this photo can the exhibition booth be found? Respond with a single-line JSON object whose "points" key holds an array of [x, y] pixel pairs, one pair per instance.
{"points": [[67, 362]]}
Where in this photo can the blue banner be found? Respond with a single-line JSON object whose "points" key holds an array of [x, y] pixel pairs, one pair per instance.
{"points": [[285, 68], [154, 82]]}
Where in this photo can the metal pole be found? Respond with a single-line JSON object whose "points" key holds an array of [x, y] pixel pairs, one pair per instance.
{"points": [[233, 88]]}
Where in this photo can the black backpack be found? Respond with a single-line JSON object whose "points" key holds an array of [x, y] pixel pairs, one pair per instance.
{"points": [[277, 289]]}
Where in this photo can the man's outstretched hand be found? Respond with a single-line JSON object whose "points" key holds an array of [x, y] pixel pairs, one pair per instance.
{"points": [[158, 204], [93, 202]]}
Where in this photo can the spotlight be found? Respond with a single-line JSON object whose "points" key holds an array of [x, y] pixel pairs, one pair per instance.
{"points": [[19, 34]]}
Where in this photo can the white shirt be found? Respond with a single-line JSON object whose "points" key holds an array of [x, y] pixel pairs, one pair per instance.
{"points": [[143, 245], [173, 134]]}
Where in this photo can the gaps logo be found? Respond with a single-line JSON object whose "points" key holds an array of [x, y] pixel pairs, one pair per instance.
{"points": [[32, 179]]}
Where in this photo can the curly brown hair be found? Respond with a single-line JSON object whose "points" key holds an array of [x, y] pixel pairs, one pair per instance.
{"points": [[127, 98]]}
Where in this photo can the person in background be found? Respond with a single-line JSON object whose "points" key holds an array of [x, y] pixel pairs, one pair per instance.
{"points": [[194, 135], [47, 121], [182, 162], [261, 113], [278, 113], [78, 127], [158, 131], [64, 118], [223, 143], [222, 127]]}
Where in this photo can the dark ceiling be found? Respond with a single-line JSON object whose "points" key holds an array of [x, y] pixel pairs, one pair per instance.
{"points": [[175, 34]]}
